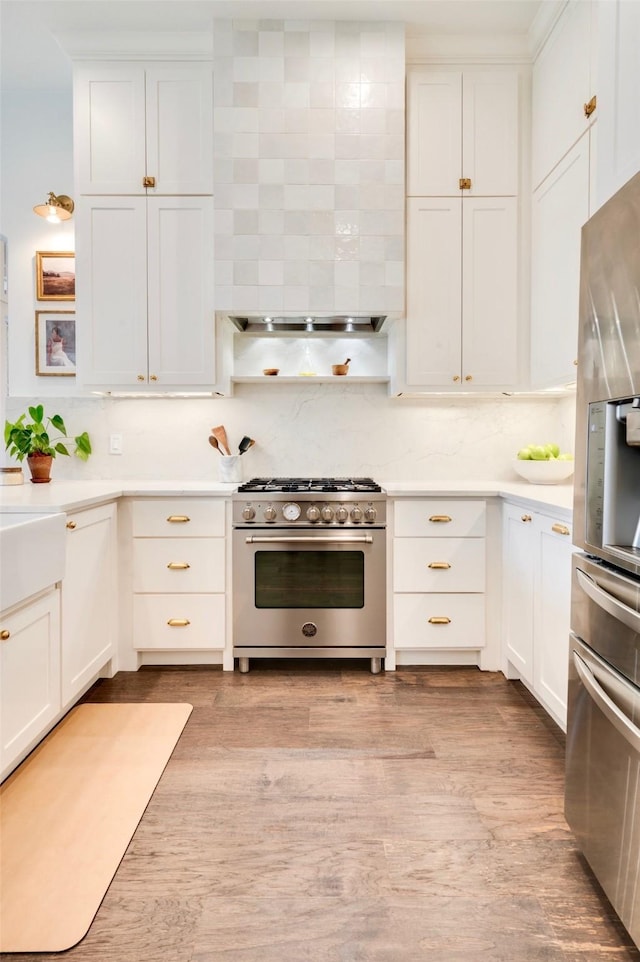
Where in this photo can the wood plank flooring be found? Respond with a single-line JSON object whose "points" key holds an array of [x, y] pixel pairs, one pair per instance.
{"points": [[318, 813]]}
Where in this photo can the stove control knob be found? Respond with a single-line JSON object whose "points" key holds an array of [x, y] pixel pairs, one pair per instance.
{"points": [[270, 513], [248, 512], [356, 514], [342, 514], [327, 513], [313, 513], [370, 513]]}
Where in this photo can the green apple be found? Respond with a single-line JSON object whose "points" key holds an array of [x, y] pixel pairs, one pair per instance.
{"points": [[524, 454], [565, 457], [539, 453], [553, 449]]}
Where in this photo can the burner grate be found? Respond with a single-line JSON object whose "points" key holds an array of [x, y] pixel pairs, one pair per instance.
{"points": [[298, 485]]}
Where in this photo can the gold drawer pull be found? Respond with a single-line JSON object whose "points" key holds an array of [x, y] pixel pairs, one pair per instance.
{"points": [[71, 525], [440, 620], [444, 565], [178, 519], [4, 634], [178, 565], [178, 622], [465, 183], [526, 517], [148, 181], [590, 106], [440, 518], [560, 529]]}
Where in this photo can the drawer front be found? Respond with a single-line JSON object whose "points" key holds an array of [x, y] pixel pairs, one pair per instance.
{"points": [[439, 564], [178, 621], [439, 519], [178, 518], [439, 621], [179, 564]]}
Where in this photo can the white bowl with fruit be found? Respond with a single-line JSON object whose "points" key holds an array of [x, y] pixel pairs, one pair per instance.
{"points": [[543, 464]]}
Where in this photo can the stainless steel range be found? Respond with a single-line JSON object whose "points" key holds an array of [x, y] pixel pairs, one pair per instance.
{"points": [[309, 569]]}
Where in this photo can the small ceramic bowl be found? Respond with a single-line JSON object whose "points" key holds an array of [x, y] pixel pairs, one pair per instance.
{"points": [[271, 371], [543, 472]]}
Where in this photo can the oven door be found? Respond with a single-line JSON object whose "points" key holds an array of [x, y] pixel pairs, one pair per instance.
{"points": [[309, 588]]}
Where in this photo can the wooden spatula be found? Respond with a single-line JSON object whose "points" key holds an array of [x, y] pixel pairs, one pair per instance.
{"points": [[220, 435]]}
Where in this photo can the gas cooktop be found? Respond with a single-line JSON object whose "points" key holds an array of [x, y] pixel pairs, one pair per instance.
{"points": [[302, 485]]}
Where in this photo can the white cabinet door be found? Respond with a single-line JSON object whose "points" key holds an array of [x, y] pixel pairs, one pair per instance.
{"points": [[618, 101], [519, 554], [145, 291], [133, 121], [434, 292], [89, 598], [562, 85], [462, 124], [29, 676], [490, 292], [560, 208], [552, 617]]}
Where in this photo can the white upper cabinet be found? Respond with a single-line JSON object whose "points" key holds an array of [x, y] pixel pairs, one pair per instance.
{"points": [[462, 125], [145, 282], [618, 101], [563, 83], [143, 129]]}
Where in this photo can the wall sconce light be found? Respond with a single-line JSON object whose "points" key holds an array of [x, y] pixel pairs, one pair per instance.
{"points": [[56, 208]]}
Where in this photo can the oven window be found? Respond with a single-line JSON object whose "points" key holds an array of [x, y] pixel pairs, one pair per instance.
{"points": [[309, 579]]}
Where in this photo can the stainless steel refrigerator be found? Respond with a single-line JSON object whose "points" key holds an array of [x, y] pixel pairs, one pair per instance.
{"points": [[602, 797]]}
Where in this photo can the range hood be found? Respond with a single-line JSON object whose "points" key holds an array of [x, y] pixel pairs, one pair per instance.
{"points": [[329, 324]]}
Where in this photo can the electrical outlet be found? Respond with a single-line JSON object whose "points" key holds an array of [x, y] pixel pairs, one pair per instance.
{"points": [[115, 444]]}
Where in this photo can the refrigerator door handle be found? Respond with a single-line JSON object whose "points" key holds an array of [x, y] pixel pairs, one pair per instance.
{"points": [[611, 605], [608, 707]]}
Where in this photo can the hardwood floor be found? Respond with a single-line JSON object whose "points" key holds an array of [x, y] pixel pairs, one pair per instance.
{"points": [[318, 813]]}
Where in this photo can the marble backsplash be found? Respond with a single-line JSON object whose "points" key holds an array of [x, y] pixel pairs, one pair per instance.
{"points": [[311, 429]]}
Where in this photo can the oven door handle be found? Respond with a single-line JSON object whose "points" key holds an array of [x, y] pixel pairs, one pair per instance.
{"points": [[607, 602], [353, 539], [606, 704]]}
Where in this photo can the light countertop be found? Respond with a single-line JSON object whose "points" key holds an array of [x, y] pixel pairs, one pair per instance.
{"points": [[72, 495]]}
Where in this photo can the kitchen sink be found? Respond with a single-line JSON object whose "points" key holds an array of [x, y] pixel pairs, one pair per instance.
{"points": [[32, 554]]}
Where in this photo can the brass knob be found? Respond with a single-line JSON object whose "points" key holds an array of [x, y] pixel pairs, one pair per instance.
{"points": [[4, 634], [71, 525], [560, 529], [178, 622], [590, 106], [526, 517], [575, 363], [439, 620], [456, 377], [141, 377], [153, 377], [465, 183], [178, 565], [468, 377], [440, 565], [148, 182]]}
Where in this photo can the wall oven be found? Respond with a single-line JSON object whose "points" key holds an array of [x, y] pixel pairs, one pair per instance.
{"points": [[309, 570]]}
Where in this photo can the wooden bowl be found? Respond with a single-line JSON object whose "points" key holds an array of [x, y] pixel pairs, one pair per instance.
{"points": [[340, 369], [271, 371]]}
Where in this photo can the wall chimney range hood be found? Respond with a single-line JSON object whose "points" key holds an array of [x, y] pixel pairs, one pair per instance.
{"points": [[308, 324]]}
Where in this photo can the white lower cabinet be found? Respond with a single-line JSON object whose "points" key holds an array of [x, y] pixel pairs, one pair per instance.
{"points": [[438, 581], [29, 675], [537, 552], [179, 574], [89, 598]]}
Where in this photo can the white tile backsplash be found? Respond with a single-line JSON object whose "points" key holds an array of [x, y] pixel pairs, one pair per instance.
{"points": [[309, 121]]}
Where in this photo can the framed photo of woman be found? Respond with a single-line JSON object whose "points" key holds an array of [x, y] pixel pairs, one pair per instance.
{"points": [[55, 276], [55, 343]]}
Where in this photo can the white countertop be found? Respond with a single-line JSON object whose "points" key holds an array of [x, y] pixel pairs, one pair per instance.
{"points": [[72, 495]]}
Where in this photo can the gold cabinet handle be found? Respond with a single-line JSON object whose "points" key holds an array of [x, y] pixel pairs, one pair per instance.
{"points": [[439, 620], [560, 529], [153, 377], [440, 565], [178, 622], [4, 634], [590, 106], [71, 525], [526, 517], [440, 518], [178, 565], [178, 518], [141, 377], [465, 183], [148, 182], [456, 377], [468, 377]]}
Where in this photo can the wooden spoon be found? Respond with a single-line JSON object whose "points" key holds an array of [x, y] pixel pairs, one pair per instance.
{"points": [[214, 444], [220, 435]]}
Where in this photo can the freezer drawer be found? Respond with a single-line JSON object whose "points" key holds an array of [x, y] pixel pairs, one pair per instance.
{"points": [[602, 794]]}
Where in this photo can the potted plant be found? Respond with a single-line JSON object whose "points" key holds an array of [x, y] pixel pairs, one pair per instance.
{"points": [[33, 440]]}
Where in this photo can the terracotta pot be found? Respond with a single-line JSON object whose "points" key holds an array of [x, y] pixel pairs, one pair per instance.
{"points": [[40, 467]]}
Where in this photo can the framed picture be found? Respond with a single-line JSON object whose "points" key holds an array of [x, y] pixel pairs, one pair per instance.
{"points": [[55, 276], [55, 343]]}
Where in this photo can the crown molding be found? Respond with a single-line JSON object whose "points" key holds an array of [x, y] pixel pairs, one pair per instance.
{"points": [[468, 49], [134, 45], [544, 21]]}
